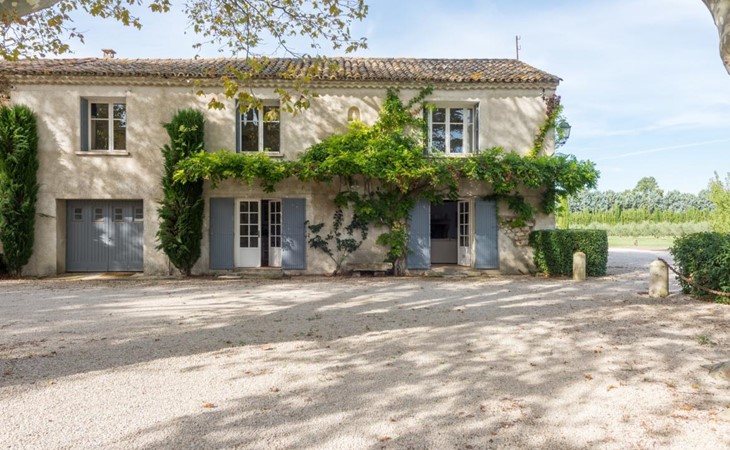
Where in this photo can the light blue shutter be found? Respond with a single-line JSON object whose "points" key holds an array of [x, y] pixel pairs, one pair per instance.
{"points": [[419, 236], [222, 235], [238, 128], [84, 125], [293, 236], [485, 231]]}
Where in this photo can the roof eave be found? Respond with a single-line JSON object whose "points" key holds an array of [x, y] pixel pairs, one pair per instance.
{"points": [[274, 82]]}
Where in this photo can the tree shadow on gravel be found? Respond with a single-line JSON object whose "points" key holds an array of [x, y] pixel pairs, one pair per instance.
{"points": [[391, 363]]}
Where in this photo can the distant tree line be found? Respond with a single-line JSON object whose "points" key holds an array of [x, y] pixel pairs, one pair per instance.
{"points": [[645, 203]]}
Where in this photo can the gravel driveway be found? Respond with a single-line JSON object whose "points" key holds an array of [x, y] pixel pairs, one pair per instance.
{"points": [[361, 363]]}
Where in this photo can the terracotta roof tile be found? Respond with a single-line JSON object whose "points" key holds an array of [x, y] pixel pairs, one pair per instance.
{"points": [[362, 69]]}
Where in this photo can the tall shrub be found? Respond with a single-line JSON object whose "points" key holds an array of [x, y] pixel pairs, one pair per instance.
{"points": [[181, 212], [720, 196], [18, 184], [705, 259]]}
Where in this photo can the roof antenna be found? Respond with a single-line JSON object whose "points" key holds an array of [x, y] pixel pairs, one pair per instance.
{"points": [[518, 47]]}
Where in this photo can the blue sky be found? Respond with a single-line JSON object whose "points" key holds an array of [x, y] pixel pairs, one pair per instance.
{"points": [[643, 85]]}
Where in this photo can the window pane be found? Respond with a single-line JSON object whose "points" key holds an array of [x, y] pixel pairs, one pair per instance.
{"points": [[118, 215], [98, 215], [138, 214], [254, 206], [439, 115], [249, 137], [438, 138], [120, 135], [100, 135], [469, 139], [254, 230], [271, 113], [244, 206], [120, 112], [243, 243], [457, 138], [99, 111], [250, 116], [457, 115], [254, 241], [78, 215], [271, 136]]}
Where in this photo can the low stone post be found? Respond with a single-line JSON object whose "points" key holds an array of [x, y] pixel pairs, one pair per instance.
{"points": [[658, 279], [579, 266]]}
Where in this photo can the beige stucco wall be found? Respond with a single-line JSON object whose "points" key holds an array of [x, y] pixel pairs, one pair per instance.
{"points": [[508, 118]]}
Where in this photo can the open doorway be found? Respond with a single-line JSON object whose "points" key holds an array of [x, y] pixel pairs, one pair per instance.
{"points": [[444, 233], [451, 233]]}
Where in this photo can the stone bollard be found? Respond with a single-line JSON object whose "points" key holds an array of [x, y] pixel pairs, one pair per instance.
{"points": [[579, 266], [658, 279]]}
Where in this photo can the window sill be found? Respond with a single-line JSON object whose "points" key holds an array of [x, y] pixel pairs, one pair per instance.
{"points": [[270, 154], [103, 153], [452, 155]]}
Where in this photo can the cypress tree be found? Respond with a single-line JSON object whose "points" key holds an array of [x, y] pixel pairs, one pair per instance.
{"points": [[181, 212], [18, 184]]}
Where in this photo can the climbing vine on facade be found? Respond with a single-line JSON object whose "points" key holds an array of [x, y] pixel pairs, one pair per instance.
{"points": [[387, 164], [554, 117]]}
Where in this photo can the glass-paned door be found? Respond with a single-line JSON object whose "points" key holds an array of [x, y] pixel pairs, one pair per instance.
{"points": [[248, 234], [464, 235], [275, 233]]}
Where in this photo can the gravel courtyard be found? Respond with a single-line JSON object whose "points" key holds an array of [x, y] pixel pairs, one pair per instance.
{"points": [[512, 362]]}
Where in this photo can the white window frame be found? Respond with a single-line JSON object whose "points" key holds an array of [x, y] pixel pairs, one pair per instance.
{"points": [[260, 128], [110, 102], [448, 106]]}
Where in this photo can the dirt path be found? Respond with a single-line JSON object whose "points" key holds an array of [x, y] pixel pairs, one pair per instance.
{"points": [[361, 363]]}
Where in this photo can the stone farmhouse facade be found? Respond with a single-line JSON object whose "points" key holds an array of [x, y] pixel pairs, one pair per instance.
{"points": [[100, 134]]}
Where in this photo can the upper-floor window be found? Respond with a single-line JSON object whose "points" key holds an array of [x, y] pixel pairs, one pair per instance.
{"points": [[452, 129], [259, 129], [103, 124]]}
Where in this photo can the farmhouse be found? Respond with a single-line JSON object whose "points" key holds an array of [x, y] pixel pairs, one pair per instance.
{"points": [[100, 133]]}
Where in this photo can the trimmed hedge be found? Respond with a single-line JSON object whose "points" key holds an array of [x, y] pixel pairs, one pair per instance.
{"points": [[705, 259], [554, 250]]}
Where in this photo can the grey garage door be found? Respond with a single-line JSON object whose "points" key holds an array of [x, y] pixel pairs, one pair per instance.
{"points": [[104, 236]]}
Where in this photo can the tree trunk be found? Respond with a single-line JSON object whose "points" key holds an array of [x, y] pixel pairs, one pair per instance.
{"points": [[399, 266], [720, 10], [25, 7]]}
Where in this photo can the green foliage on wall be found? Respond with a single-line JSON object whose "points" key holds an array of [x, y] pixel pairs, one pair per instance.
{"points": [[224, 164], [383, 170], [181, 211], [705, 259], [18, 184], [554, 250], [719, 195], [339, 243], [553, 111]]}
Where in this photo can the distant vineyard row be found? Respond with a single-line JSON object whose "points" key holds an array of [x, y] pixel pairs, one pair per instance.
{"points": [[617, 216]]}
